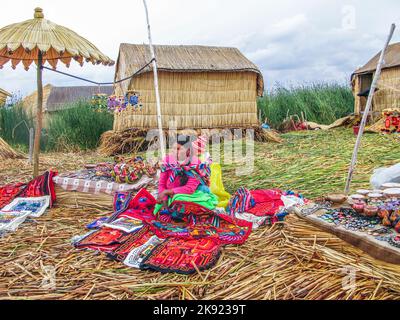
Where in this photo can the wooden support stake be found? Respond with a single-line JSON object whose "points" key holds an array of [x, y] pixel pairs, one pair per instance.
{"points": [[366, 111], [31, 138], [157, 92], [39, 116]]}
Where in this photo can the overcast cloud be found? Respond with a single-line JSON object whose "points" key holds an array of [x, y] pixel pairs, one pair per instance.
{"points": [[291, 41]]}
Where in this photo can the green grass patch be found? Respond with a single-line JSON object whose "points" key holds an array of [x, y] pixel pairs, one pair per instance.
{"points": [[314, 162], [14, 126]]}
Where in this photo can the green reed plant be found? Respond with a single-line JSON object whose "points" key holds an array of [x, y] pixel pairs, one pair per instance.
{"points": [[318, 102], [77, 127]]}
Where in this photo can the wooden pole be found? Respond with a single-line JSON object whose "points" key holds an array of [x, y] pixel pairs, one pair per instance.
{"points": [[157, 92], [39, 115], [366, 111], [31, 137]]}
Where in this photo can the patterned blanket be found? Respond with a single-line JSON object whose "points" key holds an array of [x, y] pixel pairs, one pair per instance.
{"points": [[69, 183]]}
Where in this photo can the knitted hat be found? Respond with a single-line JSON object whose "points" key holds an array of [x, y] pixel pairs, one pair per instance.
{"points": [[200, 144]]}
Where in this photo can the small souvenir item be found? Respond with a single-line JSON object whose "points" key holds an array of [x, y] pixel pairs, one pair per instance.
{"points": [[390, 185], [392, 194], [371, 211], [336, 198], [358, 202], [382, 213], [359, 207], [357, 197], [363, 192], [375, 199]]}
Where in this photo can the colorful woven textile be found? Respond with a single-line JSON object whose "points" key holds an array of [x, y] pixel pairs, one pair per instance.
{"points": [[267, 202], [163, 244], [35, 206], [200, 171], [262, 207], [101, 186], [135, 240], [136, 257], [240, 202]]}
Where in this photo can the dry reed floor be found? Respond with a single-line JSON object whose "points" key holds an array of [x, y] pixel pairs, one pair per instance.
{"points": [[289, 261]]}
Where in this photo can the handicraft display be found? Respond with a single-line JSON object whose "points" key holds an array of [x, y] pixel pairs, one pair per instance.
{"points": [[130, 101], [392, 121], [99, 102], [370, 220]]}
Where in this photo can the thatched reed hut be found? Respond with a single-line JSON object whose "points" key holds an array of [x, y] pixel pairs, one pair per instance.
{"points": [[3, 97], [388, 93], [59, 98], [200, 87]]}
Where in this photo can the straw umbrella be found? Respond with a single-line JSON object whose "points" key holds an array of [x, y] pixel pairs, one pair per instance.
{"points": [[39, 40]]}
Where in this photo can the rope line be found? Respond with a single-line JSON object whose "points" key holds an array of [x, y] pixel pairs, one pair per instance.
{"points": [[100, 83]]}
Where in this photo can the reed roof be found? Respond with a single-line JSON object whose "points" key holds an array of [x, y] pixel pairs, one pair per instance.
{"points": [[392, 60], [21, 42], [5, 93], [185, 58], [58, 98]]}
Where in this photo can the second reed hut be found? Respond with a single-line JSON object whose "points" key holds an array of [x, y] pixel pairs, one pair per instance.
{"points": [[200, 87], [60, 98], [3, 96], [388, 94]]}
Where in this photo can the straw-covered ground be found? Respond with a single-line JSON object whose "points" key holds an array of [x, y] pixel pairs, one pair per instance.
{"points": [[289, 261]]}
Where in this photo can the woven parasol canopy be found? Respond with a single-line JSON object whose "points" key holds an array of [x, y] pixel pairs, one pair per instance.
{"points": [[39, 40]]}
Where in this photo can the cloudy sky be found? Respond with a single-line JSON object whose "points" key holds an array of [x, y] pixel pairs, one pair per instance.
{"points": [[292, 41]]}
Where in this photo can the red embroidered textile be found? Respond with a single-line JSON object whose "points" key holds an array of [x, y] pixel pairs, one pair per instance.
{"points": [[104, 240], [41, 186], [38, 187], [135, 239], [141, 207], [9, 192], [267, 202], [183, 256]]}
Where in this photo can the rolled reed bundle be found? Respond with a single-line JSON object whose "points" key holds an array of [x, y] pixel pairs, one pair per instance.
{"points": [[135, 140], [81, 200], [6, 152]]}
